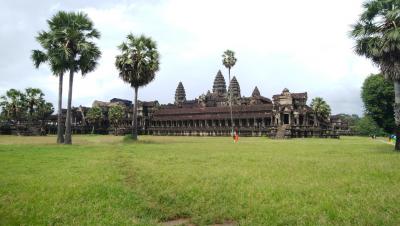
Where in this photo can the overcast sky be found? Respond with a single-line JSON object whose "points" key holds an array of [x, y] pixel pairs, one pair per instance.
{"points": [[301, 45]]}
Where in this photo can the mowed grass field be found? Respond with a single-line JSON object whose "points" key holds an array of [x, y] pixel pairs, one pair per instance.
{"points": [[102, 180]]}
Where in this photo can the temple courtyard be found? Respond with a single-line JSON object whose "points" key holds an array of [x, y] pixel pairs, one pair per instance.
{"points": [[105, 180]]}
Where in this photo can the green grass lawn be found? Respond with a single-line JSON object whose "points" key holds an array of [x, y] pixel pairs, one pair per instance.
{"points": [[101, 180]]}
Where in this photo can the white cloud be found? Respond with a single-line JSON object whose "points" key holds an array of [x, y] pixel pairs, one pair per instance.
{"points": [[301, 45]]}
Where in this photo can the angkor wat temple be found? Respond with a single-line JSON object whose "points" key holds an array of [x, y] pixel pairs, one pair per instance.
{"points": [[286, 115]]}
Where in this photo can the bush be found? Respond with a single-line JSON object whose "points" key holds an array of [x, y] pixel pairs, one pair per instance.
{"points": [[366, 126]]}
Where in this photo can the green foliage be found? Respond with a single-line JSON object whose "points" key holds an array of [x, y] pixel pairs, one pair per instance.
{"points": [[320, 108], [104, 181], [377, 35], [378, 97], [139, 60], [366, 126], [69, 40], [228, 59], [116, 114], [13, 105], [30, 105], [34, 98], [44, 110], [94, 116]]}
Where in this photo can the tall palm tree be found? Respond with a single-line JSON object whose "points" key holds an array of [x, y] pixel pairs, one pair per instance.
{"points": [[137, 65], [34, 98], [377, 37], [321, 109], [53, 54], [73, 34], [14, 105], [229, 60]]}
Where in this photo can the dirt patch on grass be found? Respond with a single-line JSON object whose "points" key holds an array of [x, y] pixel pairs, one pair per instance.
{"points": [[186, 222], [226, 223], [178, 222]]}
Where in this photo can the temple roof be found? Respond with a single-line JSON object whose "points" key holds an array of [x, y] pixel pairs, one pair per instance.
{"points": [[294, 95], [199, 113], [234, 85], [148, 103], [219, 83], [127, 103]]}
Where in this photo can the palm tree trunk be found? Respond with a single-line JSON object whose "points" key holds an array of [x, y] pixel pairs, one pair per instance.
{"points": [[397, 113], [60, 127], [68, 138], [230, 98], [134, 120]]}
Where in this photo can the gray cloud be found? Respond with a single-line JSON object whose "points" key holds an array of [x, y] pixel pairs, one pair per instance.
{"points": [[191, 38]]}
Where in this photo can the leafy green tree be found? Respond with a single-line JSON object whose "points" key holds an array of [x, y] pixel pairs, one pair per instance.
{"points": [[321, 109], [73, 35], [229, 60], [366, 126], [13, 105], [53, 53], [116, 115], [378, 97], [31, 105], [94, 117], [377, 37], [44, 110], [137, 65]]}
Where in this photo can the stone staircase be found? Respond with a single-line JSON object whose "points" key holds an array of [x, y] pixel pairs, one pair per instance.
{"points": [[281, 131]]}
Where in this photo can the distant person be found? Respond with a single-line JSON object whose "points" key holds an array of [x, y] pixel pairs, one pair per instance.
{"points": [[392, 138], [236, 136]]}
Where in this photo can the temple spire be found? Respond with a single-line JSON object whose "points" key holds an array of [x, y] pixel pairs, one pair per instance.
{"points": [[219, 84], [234, 85], [180, 94], [256, 92]]}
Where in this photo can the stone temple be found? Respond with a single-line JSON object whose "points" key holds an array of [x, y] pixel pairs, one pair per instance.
{"points": [[286, 115]]}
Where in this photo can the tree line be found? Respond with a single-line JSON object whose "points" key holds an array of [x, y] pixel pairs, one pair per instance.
{"points": [[28, 105]]}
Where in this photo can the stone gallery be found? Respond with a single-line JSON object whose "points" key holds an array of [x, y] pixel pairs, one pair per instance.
{"points": [[216, 113], [286, 115]]}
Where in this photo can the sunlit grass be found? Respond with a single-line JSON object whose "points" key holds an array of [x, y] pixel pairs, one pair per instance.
{"points": [[102, 180]]}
